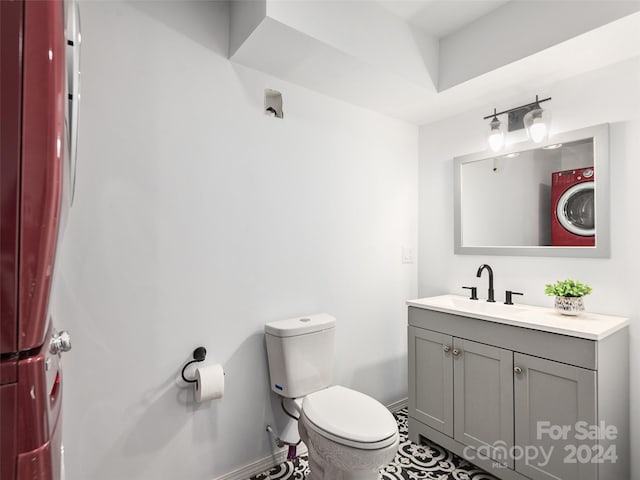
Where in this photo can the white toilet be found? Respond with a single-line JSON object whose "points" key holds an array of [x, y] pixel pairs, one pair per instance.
{"points": [[349, 434]]}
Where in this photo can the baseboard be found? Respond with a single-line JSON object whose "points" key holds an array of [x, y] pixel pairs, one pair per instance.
{"points": [[397, 406], [248, 471]]}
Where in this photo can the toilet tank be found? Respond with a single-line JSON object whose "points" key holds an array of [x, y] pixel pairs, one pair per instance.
{"points": [[300, 352]]}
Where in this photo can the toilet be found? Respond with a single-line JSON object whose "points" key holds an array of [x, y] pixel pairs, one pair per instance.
{"points": [[349, 435]]}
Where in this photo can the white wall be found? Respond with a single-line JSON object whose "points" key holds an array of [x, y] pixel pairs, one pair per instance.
{"points": [[609, 95], [197, 219]]}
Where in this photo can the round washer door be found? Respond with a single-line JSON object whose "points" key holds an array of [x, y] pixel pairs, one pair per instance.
{"points": [[576, 209]]}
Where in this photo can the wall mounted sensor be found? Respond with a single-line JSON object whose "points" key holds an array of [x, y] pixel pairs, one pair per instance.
{"points": [[273, 103]]}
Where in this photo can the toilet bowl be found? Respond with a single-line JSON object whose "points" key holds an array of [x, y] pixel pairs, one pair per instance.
{"points": [[349, 435]]}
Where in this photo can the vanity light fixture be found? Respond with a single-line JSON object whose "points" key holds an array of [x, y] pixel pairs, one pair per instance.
{"points": [[531, 116]]}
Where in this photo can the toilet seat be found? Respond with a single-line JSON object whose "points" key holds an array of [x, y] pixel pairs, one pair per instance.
{"points": [[349, 418]]}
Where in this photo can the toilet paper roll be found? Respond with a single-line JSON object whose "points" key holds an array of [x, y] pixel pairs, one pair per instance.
{"points": [[209, 383]]}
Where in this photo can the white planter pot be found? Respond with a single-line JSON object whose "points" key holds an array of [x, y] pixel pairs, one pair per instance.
{"points": [[569, 305]]}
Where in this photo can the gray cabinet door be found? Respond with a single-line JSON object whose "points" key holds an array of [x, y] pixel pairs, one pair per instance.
{"points": [[483, 398], [550, 399], [431, 379]]}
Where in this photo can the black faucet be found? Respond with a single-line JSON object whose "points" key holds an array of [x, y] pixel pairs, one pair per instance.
{"points": [[488, 268]]}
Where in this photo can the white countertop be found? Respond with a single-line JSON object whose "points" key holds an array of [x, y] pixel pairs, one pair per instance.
{"points": [[591, 326]]}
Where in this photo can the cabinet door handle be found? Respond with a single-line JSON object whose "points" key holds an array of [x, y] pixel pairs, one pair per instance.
{"points": [[517, 370], [446, 348], [456, 352]]}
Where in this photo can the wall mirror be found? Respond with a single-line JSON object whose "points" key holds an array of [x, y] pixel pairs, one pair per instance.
{"points": [[548, 199]]}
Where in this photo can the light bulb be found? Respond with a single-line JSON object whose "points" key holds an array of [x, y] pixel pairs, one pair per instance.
{"points": [[496, 140], [537, 123], [496, 135], [538, 131]]}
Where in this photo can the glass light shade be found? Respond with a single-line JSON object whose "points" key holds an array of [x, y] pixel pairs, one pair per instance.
{"points": [[496, 135], [537, 122]]}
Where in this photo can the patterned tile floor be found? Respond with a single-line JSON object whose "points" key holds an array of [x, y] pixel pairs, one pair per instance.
{"points": [[412, 462]]}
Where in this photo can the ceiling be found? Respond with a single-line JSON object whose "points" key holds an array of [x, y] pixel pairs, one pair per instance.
{"points": [[425, 60], [440, 18]]}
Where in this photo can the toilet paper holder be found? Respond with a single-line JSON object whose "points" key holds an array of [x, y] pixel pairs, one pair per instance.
{"points": [[199, 354]]}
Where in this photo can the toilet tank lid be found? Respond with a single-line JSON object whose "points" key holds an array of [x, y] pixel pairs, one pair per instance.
{"points": [[300, 325]]}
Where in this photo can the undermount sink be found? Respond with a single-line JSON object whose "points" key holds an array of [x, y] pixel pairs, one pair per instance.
{"points": [[479, 306]]}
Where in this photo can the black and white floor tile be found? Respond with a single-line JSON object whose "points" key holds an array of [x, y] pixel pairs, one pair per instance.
{"points": [[412, 462]]}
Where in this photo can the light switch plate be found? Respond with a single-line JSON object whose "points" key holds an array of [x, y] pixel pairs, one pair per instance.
{"points": [[407, 255]]}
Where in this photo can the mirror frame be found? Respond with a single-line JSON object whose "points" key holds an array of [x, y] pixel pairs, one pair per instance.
{"points": [[600, 135]]}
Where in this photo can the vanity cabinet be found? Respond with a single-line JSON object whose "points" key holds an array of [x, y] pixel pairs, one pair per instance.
{"points": [[465, 380], [519, 402], [483, 397], [431, 399], [558, 394]]}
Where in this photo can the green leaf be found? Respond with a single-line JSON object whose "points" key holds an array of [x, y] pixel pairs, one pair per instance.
{"points": [[567, 288]]}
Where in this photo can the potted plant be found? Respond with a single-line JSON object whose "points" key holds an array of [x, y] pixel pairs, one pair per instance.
{"points": [[569, 295]]}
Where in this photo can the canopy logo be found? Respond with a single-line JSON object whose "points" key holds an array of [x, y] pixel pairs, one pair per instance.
{"points": [[577, 443]]}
